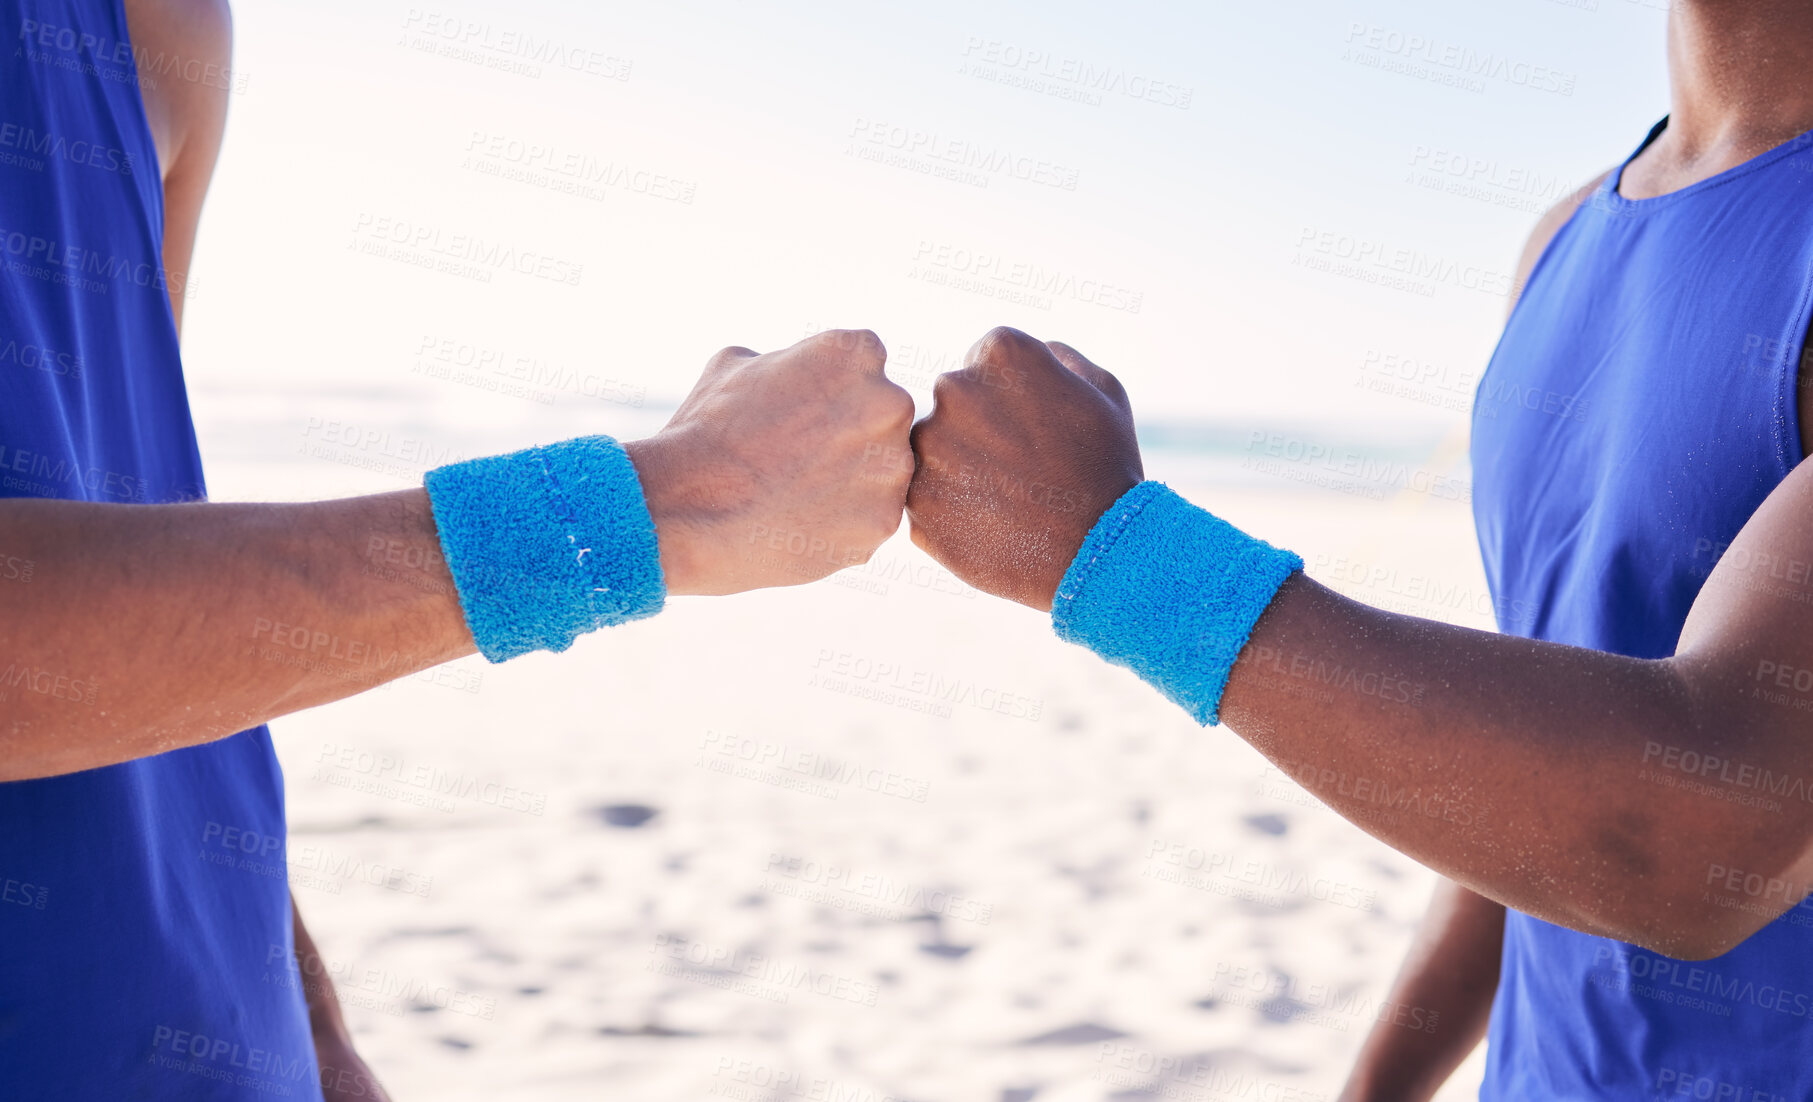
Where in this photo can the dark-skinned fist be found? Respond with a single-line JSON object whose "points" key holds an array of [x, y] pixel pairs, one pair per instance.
{"points": [[1025, 448]]}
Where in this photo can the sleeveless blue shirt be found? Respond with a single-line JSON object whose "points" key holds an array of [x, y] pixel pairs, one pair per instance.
{"points": [[1640, 406], [145, 934]]}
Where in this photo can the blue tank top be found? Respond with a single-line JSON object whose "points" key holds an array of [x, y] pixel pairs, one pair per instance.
{"points": [[145, 935], [1639, 407]]}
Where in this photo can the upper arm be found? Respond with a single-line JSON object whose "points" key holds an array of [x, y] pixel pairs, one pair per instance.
{"points": [[1546, 228], [1746, 656], [185, 49]]}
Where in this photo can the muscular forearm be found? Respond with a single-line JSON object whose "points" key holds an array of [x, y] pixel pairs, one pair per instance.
{"points": [[1447, 985], [1507, 764], [147, 628]]}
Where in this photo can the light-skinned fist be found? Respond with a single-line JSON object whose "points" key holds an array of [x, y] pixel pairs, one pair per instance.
{"points": [[780, 467], [1025, 448]]}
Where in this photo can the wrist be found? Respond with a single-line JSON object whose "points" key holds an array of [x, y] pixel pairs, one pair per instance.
{"points": [[661, 469], [546, 544], [1170, 591]]}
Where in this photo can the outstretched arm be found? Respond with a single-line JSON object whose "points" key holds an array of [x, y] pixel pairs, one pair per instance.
{"points": [[1543, 745], [130, 630]]}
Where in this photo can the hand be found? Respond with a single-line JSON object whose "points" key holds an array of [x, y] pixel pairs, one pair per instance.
{"points": [[344, 1076], [1025, 448], [779, 468]]}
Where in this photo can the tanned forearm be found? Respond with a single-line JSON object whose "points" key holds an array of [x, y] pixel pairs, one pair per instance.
{"points": [[141, 629], [131, 630], [1447, 983]]}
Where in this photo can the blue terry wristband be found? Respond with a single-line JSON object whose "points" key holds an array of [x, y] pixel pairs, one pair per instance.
{"points": [[547, 544], [1171, 592]]}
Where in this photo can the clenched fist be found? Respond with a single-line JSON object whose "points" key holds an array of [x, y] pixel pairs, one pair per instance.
{"points": [[1025, 448], [779, 468]]}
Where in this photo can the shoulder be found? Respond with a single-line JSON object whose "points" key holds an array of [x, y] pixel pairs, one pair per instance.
{"points": [[184, 50], [1546, 228]]}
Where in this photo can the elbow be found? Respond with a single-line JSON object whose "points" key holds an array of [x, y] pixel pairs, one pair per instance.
{"points": [[1696, 943], [1715, 918]]}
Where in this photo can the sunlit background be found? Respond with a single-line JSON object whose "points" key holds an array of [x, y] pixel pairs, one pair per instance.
{"points": [[444, 229]]}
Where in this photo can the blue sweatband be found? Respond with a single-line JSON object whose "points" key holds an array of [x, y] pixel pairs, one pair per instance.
{"points": [[547, 544], [1171, 592]]}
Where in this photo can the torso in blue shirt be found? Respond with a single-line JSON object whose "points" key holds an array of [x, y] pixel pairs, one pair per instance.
{"points": [[145, 937], [1639, 408]]}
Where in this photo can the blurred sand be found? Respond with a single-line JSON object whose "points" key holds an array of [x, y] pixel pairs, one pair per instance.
{"points": [[877, 838]]}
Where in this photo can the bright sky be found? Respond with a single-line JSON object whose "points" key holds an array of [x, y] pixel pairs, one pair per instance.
{"points": [[744, 173]]}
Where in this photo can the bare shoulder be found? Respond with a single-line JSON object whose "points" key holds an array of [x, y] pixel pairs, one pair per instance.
{"points": [[1546, 228], [184, 50]]}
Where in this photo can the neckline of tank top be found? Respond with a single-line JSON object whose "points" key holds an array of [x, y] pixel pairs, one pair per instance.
{"points": [[1607, 197]]}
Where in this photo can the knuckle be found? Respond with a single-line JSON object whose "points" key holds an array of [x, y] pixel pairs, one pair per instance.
{"points": [[1005, 338], [946, 387], [861, 345], [894, 405], [885, 524], [731, 354]]}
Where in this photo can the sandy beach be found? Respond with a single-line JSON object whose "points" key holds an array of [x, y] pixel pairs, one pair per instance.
{"points": [[881, 837]]}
